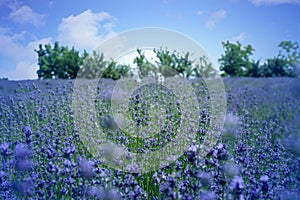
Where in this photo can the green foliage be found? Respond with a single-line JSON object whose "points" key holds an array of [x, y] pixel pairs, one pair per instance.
{"points": [[145, 68], [255, 70], [173, 63], [115, 71], [94, 66], [235, 61], [289, 51], [204, 68], [275, 67], [284, 63], [58, 62]]}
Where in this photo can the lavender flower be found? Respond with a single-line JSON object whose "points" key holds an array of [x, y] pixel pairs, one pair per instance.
{"points": [[27, 131], [23, 165], [4, 147], [207, 195], [264, 181], [86, 168], [22, 151], [237, 186]]}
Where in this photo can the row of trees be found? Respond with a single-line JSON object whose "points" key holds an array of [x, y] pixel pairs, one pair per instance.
{"points": [[60, 62], [236, 61]]}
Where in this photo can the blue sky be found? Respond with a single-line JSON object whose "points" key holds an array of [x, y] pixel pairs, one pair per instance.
{"points": [[85, 24]]}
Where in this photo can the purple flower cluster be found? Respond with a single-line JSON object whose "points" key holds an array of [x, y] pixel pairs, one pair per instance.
{"points": [[257, 157]]}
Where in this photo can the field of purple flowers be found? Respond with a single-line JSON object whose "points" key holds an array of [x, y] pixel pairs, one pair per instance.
{"points": [[257, 157]]}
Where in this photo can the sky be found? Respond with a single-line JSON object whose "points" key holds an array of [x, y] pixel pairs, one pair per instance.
{"points": [[85, 24]]}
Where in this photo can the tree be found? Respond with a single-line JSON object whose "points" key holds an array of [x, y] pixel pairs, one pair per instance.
{"points": [[255, 69], [274, 67], [290, 53], [173, 63], [116, 71], [145, 68], [58, 62], [284, 63], [204, 68], [235, 61], [94, 66]]}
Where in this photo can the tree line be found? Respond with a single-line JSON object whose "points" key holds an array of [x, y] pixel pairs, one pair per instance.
{"points": [[235, 61], [62, 62]]}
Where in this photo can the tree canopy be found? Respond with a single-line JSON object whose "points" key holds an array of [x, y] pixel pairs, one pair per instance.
{"points": [[236, 61], [60, 62]]}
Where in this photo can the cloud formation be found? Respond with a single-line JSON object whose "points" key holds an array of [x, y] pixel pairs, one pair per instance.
{"points": [[86, 30], [241, 37], [25, 15], [274, 2], [200, 12], [24, 56], [215, 18]]}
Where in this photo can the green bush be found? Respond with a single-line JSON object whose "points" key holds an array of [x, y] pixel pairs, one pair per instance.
{"points": [[58, 62]]}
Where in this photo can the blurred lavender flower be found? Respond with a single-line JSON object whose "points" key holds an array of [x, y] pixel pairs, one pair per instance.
{"points": [[109, 123], [95, 192], [2, 175], [292, 143], [86, 168], [21, 151], [231, 169], [100, 193], [112, 195], [207, 195], [206, 179], [237, 186], [23, 164], [23, 188], [232, 123], [290, 195]]}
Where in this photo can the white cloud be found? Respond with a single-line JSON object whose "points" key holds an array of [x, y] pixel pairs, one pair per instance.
{"points": [[25, 15], [200, 12], [274, 2], [241, 37], [214, 18], [86, 30], [24, 57], [12, 48], [23, 70]]}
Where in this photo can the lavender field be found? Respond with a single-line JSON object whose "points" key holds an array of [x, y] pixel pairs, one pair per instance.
{"points": [[257, 156]]}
